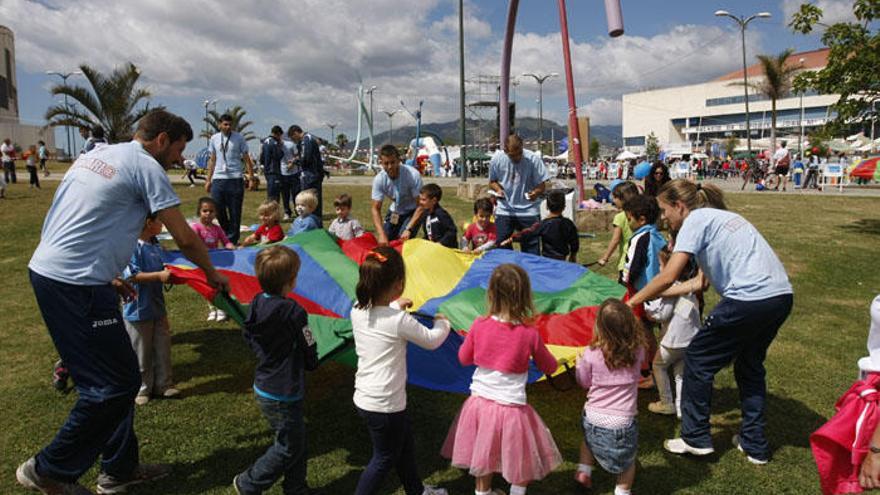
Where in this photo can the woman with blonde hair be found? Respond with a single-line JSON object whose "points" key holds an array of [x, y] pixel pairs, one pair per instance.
{"points": [[756, 298]]}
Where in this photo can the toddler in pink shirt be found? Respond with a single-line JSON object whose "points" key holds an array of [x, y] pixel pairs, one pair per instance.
{"points": [[496, 431], [213, 237], [610, 369]]}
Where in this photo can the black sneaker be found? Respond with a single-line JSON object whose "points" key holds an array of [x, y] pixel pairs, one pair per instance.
{"points": [[27, 476], [61, 377], [108, 484]]}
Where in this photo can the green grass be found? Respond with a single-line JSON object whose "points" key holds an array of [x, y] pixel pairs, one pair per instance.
{"points": [[828, 245]]}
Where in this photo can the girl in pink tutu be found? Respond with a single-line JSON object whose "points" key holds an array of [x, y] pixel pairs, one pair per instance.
{"points": [[496, 431], [610, 369]]}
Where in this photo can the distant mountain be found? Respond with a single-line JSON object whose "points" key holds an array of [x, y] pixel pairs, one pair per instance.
{"points": [[609, 136]]}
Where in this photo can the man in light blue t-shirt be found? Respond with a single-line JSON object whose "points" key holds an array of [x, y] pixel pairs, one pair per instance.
{"points": [[89, 234], [228, 152], [518, 177], [402, 185]]}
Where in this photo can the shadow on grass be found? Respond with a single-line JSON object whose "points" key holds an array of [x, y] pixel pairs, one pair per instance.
{"points": [[216, 345], [870, 226]]}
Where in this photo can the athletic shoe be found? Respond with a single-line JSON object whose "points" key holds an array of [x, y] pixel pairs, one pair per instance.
{"points": [[221, 315], [679, 446], [27, 476], [660, 407], [212, 315], [141, 400], [584, 479], [60, 377], [433, 490], [235, 485], [646, 383], [143, 473], [170, 393], [753, 460]]}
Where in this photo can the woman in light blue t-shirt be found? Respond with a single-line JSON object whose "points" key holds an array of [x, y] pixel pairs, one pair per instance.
{"points": [[756, 298]]}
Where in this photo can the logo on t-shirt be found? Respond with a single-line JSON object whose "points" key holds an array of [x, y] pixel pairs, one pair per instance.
{"points": [[103, 169]]}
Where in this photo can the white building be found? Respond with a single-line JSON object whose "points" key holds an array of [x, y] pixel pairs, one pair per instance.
{"points": [[10, 127], [690, 116]]}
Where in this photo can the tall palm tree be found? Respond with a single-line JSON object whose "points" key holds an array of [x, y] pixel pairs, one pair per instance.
{"points": [[777, 82], [237, 113], [111, 101]]}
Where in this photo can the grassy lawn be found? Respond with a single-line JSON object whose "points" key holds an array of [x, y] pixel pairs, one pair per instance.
{"points": [[828, 245]]}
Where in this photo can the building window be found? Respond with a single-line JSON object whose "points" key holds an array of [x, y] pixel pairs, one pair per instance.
{"points": [[634, 141]]}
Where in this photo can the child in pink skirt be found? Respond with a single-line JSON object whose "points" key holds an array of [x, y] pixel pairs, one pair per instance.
{"points": [[496, 431], [610, 369]]}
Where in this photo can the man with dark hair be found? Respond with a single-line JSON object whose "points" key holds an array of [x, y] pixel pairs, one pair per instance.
{"points": [[95, 139], [402, 185], [518, 178], [87, 239], [312, 164], [271, 156], [227, 150], [290, 173]]}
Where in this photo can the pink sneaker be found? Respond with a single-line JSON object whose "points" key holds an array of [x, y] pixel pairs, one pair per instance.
{"points": [[584, 479]]}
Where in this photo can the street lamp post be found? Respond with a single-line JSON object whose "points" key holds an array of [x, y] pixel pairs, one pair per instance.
{"points": [[540, 80], [801, 135], [332, 126], [390, 114], [206, 103], [743, 22], [64, 76]]}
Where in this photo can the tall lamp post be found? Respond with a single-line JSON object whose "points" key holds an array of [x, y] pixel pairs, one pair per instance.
{"points": [[540, 80], [390, 114], [332, 126], [64, 76], [743, 22], [207, 103], [801, 135]]}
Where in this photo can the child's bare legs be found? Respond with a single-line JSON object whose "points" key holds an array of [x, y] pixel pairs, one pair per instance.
{"points": [[584, 472], [484, 483], [625, 481]]}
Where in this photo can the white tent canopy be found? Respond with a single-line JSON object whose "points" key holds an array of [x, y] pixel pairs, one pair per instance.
{"points": [[626, 155]]}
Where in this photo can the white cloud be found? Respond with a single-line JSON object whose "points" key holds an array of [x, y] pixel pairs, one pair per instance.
{"points": [[833, 11], [310, 59]]}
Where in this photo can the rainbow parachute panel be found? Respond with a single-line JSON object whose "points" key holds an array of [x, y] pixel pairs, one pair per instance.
{"points": [[438, 280]]}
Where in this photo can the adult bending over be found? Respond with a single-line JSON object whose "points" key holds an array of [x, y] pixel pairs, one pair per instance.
{"points": [[518, 176], [87, 239], [400, 183], [227, 150], [756, 298]]}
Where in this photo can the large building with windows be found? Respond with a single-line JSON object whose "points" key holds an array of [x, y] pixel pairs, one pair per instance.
{"points": [[689, 117], [22, 135]]}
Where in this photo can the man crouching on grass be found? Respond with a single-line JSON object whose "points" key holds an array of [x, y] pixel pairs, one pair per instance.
{"points": [[87, 239]]}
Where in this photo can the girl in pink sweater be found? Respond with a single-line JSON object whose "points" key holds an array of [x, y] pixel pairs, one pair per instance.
{"points": [[496, 431], [610, 369], [213, 237]]}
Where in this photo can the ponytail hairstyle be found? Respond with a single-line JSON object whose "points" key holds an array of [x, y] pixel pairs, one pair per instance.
{"points": [[381, 269], [618, 334], [693, 196], [510, 294]]}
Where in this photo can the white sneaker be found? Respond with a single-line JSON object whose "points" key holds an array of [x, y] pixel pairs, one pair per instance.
{"points": [[758, 462], [433, 490], [141, 399], [221, 315], [212, 315], [170, 393], [679, 446]]}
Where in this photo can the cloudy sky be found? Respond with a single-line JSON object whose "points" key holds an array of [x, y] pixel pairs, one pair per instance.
{"points": [[301, 62]]}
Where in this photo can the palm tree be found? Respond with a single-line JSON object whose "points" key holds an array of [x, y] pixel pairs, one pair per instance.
{"points": [[777, 82], [237, 114], [341, 140], [111, 102]]}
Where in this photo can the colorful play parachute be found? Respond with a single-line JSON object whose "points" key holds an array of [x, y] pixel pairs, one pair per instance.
{"points": [[438, 280]]}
